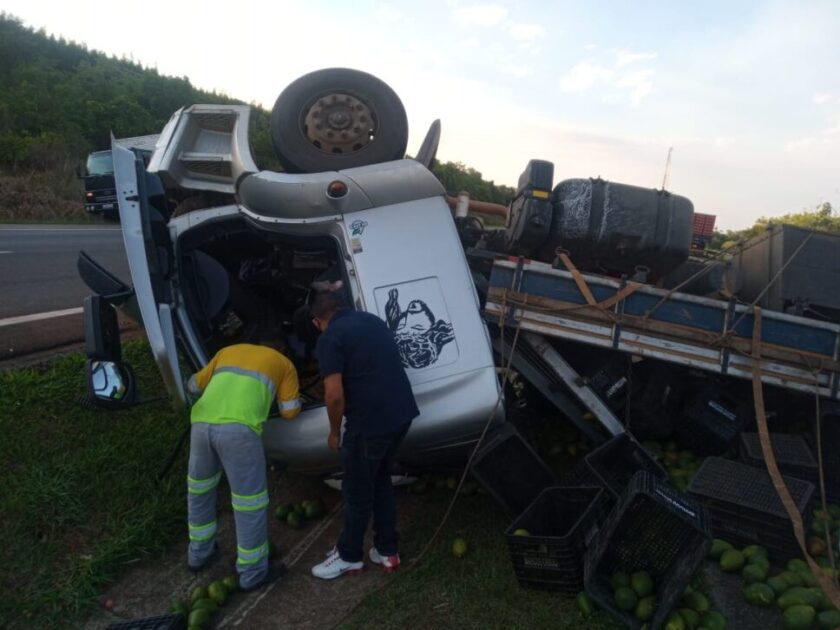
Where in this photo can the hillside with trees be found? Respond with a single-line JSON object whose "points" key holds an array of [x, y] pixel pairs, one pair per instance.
{"points": [[59, 101], [823, 218]]}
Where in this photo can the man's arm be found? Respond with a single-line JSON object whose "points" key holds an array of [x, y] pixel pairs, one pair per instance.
{"points": [[198, 381], [288, 393], [334, 399]]}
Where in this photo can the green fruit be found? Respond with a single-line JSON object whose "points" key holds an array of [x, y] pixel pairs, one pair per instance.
{"points": [[459, 547], [626, 598], [797, 565], [829, 619], [792, 578], [314, 509], [752, 551], [713, 620], [293, 520], [697, 602], [231, 583], [754, 573], [778, 584], [618, 579], [690, 617], [199, 592], [180, 607], [645, 608], [199, 617], [205, 604], [641, 582], [584, 604], [799, 596], [217, 592], [718, 547], [808, 579], [521, 532], [759, 594], [799, 617], [675, 622], [731, 560], [282, 511]]}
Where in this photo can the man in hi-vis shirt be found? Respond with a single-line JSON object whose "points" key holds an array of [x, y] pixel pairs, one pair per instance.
{"points": [[237, 387]]}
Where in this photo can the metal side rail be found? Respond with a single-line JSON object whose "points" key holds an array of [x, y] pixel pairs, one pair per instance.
{"points": [[713, 335]]}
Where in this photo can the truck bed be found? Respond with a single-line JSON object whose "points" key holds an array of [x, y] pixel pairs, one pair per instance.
{"points": [[797, 353]]}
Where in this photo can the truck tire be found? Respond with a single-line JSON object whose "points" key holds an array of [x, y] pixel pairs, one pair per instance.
{"points": [[337, 118]]}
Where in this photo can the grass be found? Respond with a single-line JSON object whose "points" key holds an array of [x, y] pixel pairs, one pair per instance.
{"points": [[50, 196], [78, 491], [477, 591]]}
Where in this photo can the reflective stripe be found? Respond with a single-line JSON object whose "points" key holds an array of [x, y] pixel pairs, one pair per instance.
{"points": [[249, 503], [200, 533], [262, 378], [192, 386], [251, 556], [200, 486], [290, 405]]}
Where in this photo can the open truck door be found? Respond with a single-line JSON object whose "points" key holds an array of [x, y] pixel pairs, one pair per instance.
{"points": [[149, 252]]}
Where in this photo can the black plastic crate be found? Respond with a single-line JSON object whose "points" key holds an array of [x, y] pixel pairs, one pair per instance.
{"points": [[745, 508], [561, 521], [652, 528], [161, 622], [711, 421], [510, 470], [616, 461], [791, 451]]}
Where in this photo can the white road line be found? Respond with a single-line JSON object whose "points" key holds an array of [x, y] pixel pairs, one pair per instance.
{"points": [[238, 616], [23, 319]]}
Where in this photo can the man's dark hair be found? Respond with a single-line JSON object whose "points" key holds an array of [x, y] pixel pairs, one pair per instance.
{"points": [[326, 303]]}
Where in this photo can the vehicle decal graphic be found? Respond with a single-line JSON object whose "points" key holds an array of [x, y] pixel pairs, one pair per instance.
{"points": [[420, 336], [357, 228]]}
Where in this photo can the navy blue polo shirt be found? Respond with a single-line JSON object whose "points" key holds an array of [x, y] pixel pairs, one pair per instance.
{"points": [[378, 396]]}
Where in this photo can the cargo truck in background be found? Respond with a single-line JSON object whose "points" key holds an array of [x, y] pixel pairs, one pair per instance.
{"points": [[100, 192]]}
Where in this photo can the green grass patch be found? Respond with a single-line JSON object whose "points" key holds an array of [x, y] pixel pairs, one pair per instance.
{"points": [[79, 496], [479, 590]]}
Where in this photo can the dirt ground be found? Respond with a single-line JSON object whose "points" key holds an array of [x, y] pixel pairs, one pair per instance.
{"points": [[295, 601]]}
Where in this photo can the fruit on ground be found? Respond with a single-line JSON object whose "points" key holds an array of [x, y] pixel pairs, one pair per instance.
{"points": [[731, 560], [314, 509], [690, 617], [199, 592], [584, 604], [675, 622], [799, 617], [293, 520], [626, 598], [828, 619], [199, 617], [641, 582], [645, 608], [799, 596], [459, 548], [797, 565], [792, 578], [778, 584], [282, 511], [713, 620], [231, 583], [718, 547], [521, 532], [217, 592], [205, 604], [752, 551], [753, 573], [180, 607], [759, 594]]}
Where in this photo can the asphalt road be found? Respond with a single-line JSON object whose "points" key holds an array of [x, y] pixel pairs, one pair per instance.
{"points": [[38, 265]]}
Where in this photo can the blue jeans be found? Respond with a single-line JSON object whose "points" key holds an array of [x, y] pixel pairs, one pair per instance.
{"points": [[367, 489]]}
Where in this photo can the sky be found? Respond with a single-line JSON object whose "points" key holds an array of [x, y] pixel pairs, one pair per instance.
{"points": [[746, 93]]}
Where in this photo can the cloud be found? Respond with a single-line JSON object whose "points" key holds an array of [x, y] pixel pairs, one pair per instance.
{"points": [[639, 84], [625, 57], [523, 32], [485, 15], [583, 76], [518, 70]]}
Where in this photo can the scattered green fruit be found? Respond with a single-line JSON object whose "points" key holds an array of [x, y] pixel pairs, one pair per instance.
{"points": [[691, 618], [754, 573], [641, 583], [697, 602], [521, 532], [645, 608], [626, 598], [799, 596], [293, 520], [459, 548], [618, 579], [731, 560], [217, 592], [584, 604], [199, 617], [828, 619], [282, 511], [675, 622], [205, 604], [778, 584], [231, 583], [180, 607], [799, 617], [718, 547], [713, 620], [797, 565], [199, 592], [759, 594]]}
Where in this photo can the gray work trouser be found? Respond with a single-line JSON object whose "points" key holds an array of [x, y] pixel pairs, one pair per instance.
{"points": [[239, 451]]}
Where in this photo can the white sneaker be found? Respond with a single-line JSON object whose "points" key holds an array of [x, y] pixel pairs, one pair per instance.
{"points": [[334, 567], [389, 564]]}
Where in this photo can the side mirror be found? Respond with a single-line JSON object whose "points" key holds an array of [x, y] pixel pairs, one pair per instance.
{"points": [[110, 384]]}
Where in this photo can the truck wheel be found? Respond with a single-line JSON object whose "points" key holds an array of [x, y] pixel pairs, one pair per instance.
{"points": [[337, 118]]}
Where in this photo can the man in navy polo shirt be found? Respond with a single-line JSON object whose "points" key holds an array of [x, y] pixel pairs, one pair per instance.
{"points": [[364, 383]]}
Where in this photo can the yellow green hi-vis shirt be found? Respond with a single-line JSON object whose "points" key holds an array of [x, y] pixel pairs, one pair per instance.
{"points": [[240, 383]]}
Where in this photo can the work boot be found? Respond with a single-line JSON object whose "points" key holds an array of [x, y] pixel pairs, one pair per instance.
{"points": [[389, 564], [334, 567]]}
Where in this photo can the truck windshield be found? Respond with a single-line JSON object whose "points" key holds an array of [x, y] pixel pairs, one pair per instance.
{"points": [[100, 163]]}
